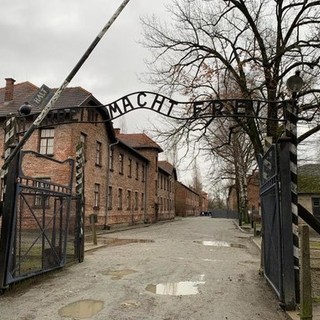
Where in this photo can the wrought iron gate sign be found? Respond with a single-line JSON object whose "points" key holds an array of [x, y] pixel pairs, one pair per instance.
{"points": [[141, 100], [191, 110], [227, 108]]}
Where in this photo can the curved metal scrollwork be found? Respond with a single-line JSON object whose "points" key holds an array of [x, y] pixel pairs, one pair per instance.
{"points": [[186, 110]]}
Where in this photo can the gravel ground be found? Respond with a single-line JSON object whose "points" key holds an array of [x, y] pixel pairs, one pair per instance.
{"points": [[190, 269]]}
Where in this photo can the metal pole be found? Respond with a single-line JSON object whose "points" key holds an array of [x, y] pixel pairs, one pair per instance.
{"points": [[305, 273], [59, 91]]}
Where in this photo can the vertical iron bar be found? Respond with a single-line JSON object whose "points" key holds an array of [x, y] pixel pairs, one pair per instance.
{"points": [[8, 224], [286, 234], [305, 273]]}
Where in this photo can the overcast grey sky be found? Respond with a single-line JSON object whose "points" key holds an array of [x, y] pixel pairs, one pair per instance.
{"points": [[42, 42]]}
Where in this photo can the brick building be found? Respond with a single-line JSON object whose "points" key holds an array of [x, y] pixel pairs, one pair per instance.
{"points": [[124, 183], [187, 201], [60, 133], [156, 177], [253, 194], [204, 202], [167, 177]]}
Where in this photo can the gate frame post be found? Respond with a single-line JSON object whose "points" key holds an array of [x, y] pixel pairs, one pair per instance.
{"points": [[8, 219], [288, 278]]}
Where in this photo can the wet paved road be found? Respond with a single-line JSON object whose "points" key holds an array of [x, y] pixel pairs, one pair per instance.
{"points": [[191, 269]]}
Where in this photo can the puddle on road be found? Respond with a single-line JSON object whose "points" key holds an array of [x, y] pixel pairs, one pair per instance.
{"points": [[220, 244], [130, 304], [118, 274], [182, 288], [119, 242], [83, 309]]}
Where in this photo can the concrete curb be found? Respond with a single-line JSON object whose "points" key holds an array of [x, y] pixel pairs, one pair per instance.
{"points": [[293, 315], [88, 246]]}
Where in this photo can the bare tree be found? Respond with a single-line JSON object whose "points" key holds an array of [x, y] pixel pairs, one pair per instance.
{"points": [[249, 47], [228, 142]]}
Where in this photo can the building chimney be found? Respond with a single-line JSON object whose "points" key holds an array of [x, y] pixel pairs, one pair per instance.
{"points": [[8, 94]]}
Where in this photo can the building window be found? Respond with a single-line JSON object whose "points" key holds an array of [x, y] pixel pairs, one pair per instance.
{"points": [[96, 195], [136, 200], [41, 199], [111, 157], [137, 170], [121, 159], [46, 141], [93, 116], [98, 153], [142, 201], [128, 200], [316, 202], [120, 199], [110, 198], [129, 168]]}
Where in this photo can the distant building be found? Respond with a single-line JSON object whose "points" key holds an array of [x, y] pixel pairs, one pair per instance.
{"points": [[204, 201], [309, 188], [253, 194], [187, 201]]}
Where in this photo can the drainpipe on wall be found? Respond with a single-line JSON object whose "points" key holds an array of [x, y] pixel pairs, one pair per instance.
{"points": [[107, 188], [145, 193]]}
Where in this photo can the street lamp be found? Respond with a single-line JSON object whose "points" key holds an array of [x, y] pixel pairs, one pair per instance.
{"points": [[295, 83]]}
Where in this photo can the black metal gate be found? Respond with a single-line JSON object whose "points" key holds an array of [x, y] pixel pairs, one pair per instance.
{"points": [[269, 193], [40, 222], [277, 246]]}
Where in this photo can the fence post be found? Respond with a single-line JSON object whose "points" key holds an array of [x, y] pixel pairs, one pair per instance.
{"points": [[305, 275]]}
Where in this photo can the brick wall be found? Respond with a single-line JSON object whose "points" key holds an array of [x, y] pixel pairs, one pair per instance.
{"points": [[166, 206], [66, 137], [152, 183], [187, 201], [131, 184]]}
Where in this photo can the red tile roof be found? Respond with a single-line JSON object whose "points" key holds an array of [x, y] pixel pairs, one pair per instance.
{"points": [[25, 91], [166, 166], [138, 141], [71, 97]]}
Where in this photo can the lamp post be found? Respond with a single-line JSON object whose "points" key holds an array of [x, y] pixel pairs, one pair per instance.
{"points": [[294, 84]]}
